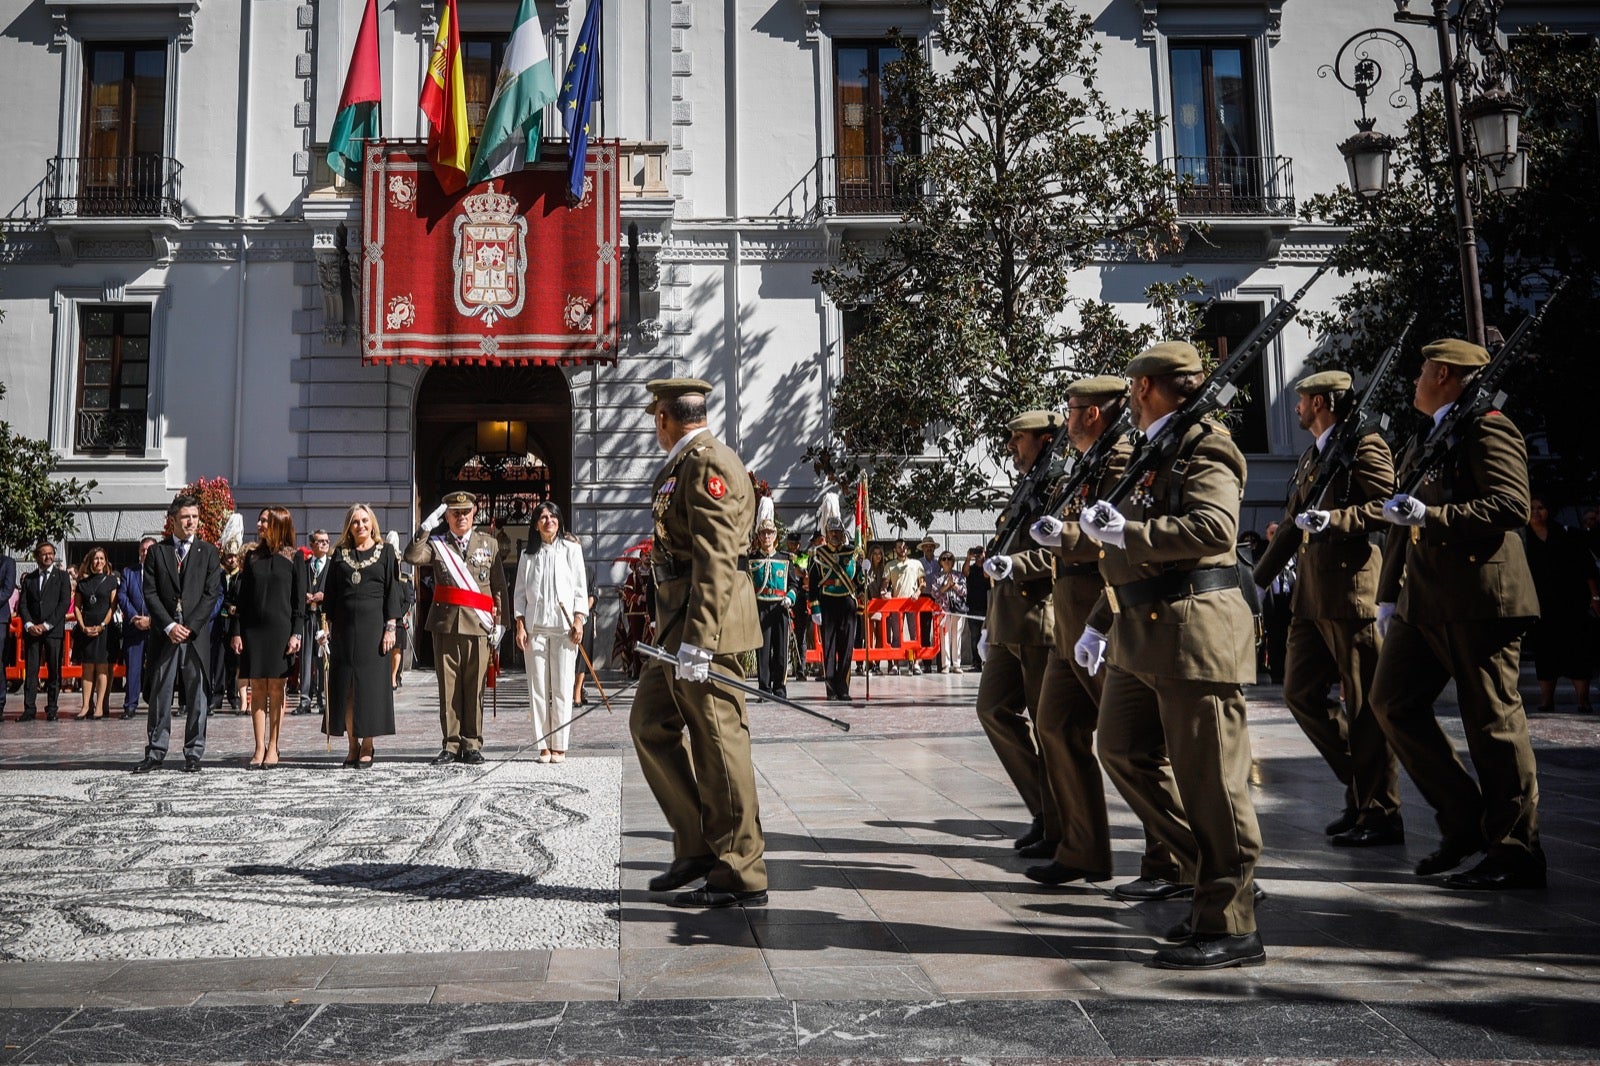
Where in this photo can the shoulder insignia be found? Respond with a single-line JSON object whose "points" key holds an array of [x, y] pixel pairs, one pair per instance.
{"points": [[717, 487]]}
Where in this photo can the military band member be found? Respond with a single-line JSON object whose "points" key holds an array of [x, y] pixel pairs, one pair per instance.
{"points": [[704, 509], [1181, 648], [467, 618], [1018, 633], [769, 572], [835, 576], [1333, 635], [1455, 597]]}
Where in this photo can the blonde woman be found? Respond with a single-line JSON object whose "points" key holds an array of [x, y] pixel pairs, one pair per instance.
{"points": [[269, 612], [363, 603], [551, 599], [93, 602]]}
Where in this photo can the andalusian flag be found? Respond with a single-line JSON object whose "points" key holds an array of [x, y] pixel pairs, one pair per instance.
{"points": [[578, 89], [444, 102], [510, 135], [360, 117]]}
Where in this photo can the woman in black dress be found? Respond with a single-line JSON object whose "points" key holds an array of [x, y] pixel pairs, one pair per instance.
{"points": [[362, 600], [95, 600], [269, 613]]}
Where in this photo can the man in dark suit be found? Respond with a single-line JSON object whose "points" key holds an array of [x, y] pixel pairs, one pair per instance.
{"points": [[182, 580], [312, 683], [8, 585], [46, 595], [135, 630]]}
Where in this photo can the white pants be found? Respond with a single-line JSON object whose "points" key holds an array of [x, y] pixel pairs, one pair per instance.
{"points": [[552, 660], [950, 642]]}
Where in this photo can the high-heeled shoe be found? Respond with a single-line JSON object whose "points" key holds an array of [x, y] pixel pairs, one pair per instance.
{"points": [[558, 756], [544, 755]]}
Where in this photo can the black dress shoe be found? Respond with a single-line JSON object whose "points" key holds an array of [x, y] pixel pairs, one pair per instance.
{"points": [[1213, 953], [1493, 874], [444, 758], [472, 758], [27, 716], [1369, 836], [147, 764], [1184, 930], [1059, 873], [682, 872], [51, 716], [1042, 849], [1451, 854], [130, 712], [1147, 889], [254, 766], [1034, 834], [710, 898], [191, 764], [1342, 824]]}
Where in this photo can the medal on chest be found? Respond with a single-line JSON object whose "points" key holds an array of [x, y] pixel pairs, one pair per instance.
{"points": [[664, 497], [1142, 496]]}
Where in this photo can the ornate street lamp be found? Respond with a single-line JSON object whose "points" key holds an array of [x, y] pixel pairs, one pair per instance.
{"points": [[1493, 117]]}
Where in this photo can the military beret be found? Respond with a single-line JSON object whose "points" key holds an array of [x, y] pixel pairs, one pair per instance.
{"points": [[671, 389], [1323, 381], [1099, 387], [1168, 357], [459, 500], [1037, 420], [1456, 352]]}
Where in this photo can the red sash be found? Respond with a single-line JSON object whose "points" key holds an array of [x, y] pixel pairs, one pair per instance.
{"points": [[451, 596]]}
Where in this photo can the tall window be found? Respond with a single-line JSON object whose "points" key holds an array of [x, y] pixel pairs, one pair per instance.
{"points": [[1226, 325], [481, 58], [1214, 121], [867, 150], [124, 125], [113, 379], [853, 322]]}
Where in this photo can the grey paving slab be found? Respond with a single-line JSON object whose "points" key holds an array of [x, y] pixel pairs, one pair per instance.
{"points": [[399, 1032], [696, 1028], [196, 1034], [1504, 1029], [1309, 1029], [882, 980], [21, 1029], [976, 1028]]}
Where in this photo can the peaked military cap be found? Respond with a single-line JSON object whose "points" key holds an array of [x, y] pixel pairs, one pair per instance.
{"points": [[1456, 352], [1323, 381], [1099, 387], [671, 388], [1168, 357], [459, 500], [1037, 420]]}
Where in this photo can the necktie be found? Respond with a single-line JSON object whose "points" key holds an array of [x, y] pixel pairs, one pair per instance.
{"points": [[183, 549]]}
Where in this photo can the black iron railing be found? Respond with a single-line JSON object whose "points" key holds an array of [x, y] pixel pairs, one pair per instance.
{"points": [[865, 185], [1260, 186], [111, 431], [140, 186]]}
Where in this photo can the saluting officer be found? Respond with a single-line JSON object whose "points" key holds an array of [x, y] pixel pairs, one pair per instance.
{"points": [[466, 619], [769, 572], [1181, 649], [1455, 597], [1333, 635], [704, 509], [1017, 636]]}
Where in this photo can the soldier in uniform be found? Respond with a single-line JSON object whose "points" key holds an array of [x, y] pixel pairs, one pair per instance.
{"points": [[704, 509], [769, 572], [1333, 635], [467, 618], [835, 571], [1181, 649], [1017, 637], [1455, 597]]}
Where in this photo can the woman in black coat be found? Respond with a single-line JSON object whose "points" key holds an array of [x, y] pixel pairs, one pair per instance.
{"points": [[92, 605], [269, 614], [363, 603]]}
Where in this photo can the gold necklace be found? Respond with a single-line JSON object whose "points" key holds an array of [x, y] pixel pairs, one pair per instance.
{"points": [[355, 567]]}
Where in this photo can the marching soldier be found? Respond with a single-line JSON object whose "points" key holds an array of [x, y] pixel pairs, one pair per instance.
{"points": [[1018, 632], [835, 571], [1455, 597], [769, 572], [1180, 652], [704, 508], [466, 619], [1333, 634]]}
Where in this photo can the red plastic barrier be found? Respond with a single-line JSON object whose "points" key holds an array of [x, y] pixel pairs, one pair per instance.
{"points": [[904, 612], [70, 671]]}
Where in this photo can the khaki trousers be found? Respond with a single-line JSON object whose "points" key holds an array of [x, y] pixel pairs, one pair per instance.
{"points": [[463, 663], [1344, 651], [1008, 705], [1069, 709], [693, 741], [1208, 821], [1502, 805]]}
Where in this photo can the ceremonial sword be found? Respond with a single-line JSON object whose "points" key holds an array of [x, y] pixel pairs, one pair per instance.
{"points": [[653, 652]]}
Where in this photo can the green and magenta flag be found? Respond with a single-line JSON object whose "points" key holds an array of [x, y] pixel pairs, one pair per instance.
{"points": [[360, 116]]}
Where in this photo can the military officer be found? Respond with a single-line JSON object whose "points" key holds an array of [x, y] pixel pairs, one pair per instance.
{"points": [[1455, 597], [1069, 700], [1181, 648], [835, 574], [769, 572], [1333, 635], [1018, 634], [466, 619], [706, 615]]}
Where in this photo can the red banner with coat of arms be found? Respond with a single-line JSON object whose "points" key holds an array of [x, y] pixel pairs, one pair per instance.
{"points": [[508, 271]]}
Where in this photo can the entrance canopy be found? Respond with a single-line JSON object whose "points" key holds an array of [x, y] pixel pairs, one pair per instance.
{"points": [[506, 272]]}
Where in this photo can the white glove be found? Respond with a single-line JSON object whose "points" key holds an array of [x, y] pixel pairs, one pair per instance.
{"points": [[1385, 617], [433, 519], [816, 617], [998, 567], [1104, 524], [1313, 521], [1046, 531], [1405, 510], [1090, 651], [495, 634], [983, 643], [694, 664]]}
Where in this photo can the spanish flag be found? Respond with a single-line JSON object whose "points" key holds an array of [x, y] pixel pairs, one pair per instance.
{"points": [[444, 102]]}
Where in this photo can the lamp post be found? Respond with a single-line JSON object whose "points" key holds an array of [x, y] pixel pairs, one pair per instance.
{"points": [[1493, 116]]}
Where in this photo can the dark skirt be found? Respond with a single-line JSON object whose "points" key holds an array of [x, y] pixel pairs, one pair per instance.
{"points": [[267, 615], [358, 668], [94, 602]]}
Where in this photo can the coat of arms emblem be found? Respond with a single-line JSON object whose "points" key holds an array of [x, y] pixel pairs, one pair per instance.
{"points": [[491, 258]]}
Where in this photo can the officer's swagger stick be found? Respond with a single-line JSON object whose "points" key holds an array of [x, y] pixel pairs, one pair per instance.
{"points": [[653, 652]]}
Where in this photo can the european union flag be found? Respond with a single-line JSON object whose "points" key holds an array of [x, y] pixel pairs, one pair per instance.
{"points": [[579, 86]]}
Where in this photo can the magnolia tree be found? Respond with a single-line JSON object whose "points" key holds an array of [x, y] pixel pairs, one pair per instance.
{"points": [[34, 505]]}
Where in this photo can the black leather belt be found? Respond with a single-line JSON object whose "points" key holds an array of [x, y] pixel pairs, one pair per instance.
{"points": [[672, 569], [1079, 570], [1174, 586], [1333, 538]]}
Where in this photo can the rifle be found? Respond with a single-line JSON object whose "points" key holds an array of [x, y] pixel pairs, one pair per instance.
{"points": [[1091, 461], [1481, 395], [1216, 392], [1026, 496]]}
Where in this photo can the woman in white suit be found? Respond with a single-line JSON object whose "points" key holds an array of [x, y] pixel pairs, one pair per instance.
{"points": [[551, 599]]}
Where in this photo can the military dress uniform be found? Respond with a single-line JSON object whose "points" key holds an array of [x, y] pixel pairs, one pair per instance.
{"points": [[1182, 646], [1464, 597], [1333, 635], [461, 639], [774, 600], [835, 574], [704, 509]]}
